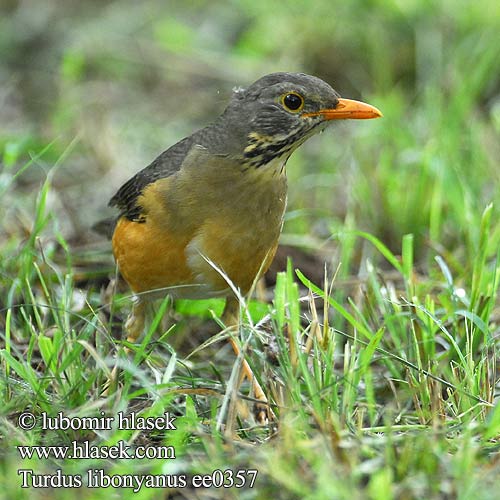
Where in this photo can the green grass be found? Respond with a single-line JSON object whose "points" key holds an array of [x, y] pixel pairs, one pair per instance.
{"points": [[380, 361]]}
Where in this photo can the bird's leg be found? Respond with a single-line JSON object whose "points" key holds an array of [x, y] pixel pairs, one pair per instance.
{"points": [[134, 327], [230, 317], [136, 320]]}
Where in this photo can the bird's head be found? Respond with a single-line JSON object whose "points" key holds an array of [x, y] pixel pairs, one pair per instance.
{"points": [[280, 111]]}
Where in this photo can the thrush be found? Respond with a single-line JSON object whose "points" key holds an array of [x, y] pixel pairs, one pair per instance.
{"points": [[204, 218]]}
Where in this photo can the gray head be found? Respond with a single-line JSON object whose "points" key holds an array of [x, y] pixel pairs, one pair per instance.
{"points": [[280, 111]]}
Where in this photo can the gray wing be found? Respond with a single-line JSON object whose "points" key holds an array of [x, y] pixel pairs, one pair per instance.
{"points": [[166, 164]]}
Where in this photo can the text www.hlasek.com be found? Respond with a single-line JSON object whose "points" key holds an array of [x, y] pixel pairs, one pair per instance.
{"points": [[85, 450]]}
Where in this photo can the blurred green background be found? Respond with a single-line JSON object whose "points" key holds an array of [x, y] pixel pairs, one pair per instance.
{"points": [[117, 82]]}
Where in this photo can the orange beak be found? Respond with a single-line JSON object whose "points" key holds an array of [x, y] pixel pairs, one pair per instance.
{"points": [[348, 109]]}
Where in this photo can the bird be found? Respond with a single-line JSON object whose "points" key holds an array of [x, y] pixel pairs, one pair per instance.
{"points": [[204, 218]]}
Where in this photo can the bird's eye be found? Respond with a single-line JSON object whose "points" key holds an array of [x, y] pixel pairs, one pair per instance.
{"points": [[292, 101]]}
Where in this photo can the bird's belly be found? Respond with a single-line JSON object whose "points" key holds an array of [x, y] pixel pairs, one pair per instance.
{"points": [[196, 266], [220, 253]]}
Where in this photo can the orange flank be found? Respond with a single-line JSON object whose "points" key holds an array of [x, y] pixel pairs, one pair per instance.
{"points": [[148, 257]]}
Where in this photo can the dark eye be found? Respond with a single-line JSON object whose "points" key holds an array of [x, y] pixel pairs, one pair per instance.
{"points": [[293, 102]]}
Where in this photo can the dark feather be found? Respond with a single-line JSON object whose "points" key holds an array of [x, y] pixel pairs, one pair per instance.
{"points": [[166, 164]]}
